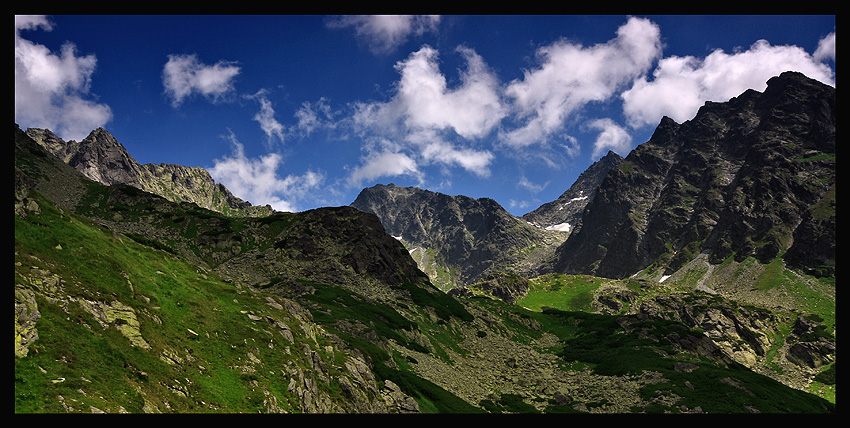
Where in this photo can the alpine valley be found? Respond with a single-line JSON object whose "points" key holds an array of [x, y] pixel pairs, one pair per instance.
{"points": [[695, 275]]}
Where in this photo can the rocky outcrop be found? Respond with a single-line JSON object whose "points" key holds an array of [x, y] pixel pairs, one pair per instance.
{"points": [[751, 177], [103, 159], [564, 213], [505, 286]]}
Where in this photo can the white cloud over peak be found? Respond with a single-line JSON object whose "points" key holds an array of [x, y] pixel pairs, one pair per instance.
{"points": [[52, 89], [433, 149], [384, 33], [570, 76], [186, 75], [681, 85], [424, 101], [384, 164], [611, 137], [429, 122], [256, 179]]}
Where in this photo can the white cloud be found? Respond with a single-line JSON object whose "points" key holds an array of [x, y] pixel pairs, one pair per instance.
{"points": [[611, 137], [52, 89], [185, 75], [384, 164], [526, 184], [681, 85], [313, 116], [826, 49], [384, 33], [265, 117], [425, 101], [570, 76], [474, 161], [256, 179], [430, 123]]}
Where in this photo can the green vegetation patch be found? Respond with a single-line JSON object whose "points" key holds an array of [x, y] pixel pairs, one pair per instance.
{"points": [[564, 292]]}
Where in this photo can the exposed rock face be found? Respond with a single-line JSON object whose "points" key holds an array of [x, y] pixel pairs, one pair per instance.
{"points": [[470, 237], [564, 213], [753, 176], [101, 158]]}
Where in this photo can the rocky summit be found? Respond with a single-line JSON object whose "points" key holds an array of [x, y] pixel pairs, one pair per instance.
{"points": [[697, 276]]}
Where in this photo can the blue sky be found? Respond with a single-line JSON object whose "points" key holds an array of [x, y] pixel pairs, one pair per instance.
{"points": [[301, 112]]}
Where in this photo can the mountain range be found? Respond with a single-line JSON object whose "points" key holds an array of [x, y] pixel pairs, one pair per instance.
{"points": [[695, 275]]}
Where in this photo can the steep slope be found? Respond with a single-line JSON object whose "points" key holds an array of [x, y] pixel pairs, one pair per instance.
{"points": [[457, 239], [103, 159], [752, 177], [564, 213]]}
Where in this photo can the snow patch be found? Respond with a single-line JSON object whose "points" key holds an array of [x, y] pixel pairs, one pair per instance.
{"points": [[571, 201], [663, 278], [563, 227]]}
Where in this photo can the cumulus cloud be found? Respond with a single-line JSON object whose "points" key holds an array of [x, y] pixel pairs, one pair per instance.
{"points": [[256, 179], [186, 75], [431, 123], [570, 76], [384, 33], [52, 89], [423, 100], [433, 149], [680, 85]]}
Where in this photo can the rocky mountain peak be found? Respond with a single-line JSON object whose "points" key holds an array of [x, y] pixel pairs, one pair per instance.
{"points": [[455, 239], [751, 177], [103, 159]]}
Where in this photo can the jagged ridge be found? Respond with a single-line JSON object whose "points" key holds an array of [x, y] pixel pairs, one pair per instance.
{"points": [[103, 159]]}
